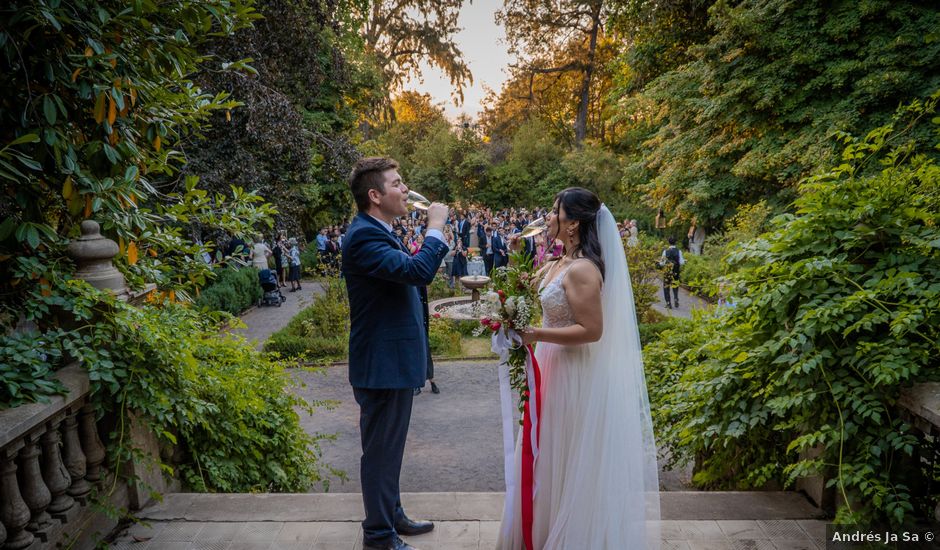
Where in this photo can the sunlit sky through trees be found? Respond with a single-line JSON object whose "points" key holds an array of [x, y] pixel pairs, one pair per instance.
{"points": [[483, 47]]}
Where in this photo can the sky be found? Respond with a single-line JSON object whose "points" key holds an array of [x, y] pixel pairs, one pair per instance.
{"points": [[484, 50]]}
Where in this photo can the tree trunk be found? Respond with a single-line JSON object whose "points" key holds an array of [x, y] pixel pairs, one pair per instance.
{"points": [[580, 124]]}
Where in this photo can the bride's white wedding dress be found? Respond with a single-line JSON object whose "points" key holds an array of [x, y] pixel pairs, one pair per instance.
{"points": [[596, 478]]}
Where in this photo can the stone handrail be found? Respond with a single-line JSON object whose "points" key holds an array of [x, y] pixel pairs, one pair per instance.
{"points": [[51, 457], [51, 454], [921, 404]]}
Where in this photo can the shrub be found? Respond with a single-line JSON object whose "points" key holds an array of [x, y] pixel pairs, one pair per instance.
{"points": [[309, 261], [702, 273], [645, 274], [230, 409], [444, 338], [438, 289], [320, 331], [234, 290], [838, 310], [651, 331]]}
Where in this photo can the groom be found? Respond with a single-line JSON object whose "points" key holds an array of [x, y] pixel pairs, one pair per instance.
{"points": [[388, 346]]}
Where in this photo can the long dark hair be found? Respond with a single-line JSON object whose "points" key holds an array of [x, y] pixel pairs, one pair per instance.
{"points": [[582, 205]]}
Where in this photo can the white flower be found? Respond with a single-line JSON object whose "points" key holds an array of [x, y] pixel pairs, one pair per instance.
{"points": [[510, 306], [491, 297]]}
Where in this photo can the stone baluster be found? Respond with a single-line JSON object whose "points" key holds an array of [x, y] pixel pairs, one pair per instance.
{"points": [[74, 458], [91, 444], [54, 472], [14, 513], [33, 489]]}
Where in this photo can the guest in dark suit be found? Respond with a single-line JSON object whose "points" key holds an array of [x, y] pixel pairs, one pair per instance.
{"points": [[388, 345], [486, 249], [463, 230], [500, 254]]}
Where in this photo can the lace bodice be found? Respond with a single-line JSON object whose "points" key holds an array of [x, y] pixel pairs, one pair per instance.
{"points": [[555, 309]]}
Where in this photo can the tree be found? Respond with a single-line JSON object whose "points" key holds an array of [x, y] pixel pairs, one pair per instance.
{"points": [[403, 33], [96, 108], [538, 29], [755, 109], [288, 140], [837, 311]]}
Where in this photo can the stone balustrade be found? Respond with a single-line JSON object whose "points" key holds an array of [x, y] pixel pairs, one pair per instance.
{"points": [[51, 459], [921, 404]]}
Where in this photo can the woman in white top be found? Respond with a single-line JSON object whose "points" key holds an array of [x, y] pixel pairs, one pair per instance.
{"points": [[259, 254]]}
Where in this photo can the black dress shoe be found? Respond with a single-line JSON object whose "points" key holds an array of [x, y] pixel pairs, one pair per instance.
{"points": [[434, 388], [409, 527], [394, 544], [417, 391]]}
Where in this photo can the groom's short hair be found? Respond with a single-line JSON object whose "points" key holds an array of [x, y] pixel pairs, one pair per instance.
{"points": [[367, 174]]}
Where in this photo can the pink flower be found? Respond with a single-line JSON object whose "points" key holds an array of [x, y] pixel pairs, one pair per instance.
{"points": [[502, 295], [495, 326], [437, 315], [485, 321]]}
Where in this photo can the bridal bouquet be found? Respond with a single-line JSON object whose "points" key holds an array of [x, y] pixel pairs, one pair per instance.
{"points": [[509, 308]]}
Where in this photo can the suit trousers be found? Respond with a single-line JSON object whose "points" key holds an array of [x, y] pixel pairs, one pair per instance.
{"points": [[488, 263], [384, 415]]}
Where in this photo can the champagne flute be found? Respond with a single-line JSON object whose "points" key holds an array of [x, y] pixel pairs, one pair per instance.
{"points": [[418, 200], [537, 226]]}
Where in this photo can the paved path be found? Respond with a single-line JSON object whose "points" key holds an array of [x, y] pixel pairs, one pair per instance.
{"points": [[690, 521], [262, 322], [455, 439], [687, 303]]}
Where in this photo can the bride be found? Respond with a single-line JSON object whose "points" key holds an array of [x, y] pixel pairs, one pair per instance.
{"points": [[596, 478]]}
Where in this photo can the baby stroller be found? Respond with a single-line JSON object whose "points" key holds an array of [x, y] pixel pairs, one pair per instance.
{"points": [[272, 292]]}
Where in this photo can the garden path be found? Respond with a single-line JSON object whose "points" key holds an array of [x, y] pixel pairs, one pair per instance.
{"points": [[687, 303], [262, 322]]}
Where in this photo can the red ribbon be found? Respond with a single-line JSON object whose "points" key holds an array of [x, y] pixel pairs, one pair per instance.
{"points": [[528, 457]]}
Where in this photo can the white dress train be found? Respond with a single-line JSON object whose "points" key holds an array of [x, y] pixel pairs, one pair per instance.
{"points": [[596, 478]]}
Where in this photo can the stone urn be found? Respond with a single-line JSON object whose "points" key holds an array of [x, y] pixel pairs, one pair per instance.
{"points": [[93, 253]]}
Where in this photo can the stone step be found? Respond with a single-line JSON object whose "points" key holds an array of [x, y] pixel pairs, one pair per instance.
{"points": [[339, 507]]}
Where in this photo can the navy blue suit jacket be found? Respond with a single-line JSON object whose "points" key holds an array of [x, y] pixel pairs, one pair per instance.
{"points": [[388, 344]]}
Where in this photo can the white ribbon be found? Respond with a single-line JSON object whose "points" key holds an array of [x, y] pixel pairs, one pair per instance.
{"points": [[501, 343]]}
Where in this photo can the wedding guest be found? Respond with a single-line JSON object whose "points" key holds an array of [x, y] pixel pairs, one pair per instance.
{"points": [[672, 261], [280, 252], [294, 255], [260, 254], [633, 233], [458, 268]]}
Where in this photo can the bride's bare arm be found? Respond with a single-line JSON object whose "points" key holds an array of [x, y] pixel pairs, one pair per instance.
{"points": [[583, 290]]}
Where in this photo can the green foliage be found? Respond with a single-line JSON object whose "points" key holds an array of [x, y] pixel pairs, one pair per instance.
{"points": [[231, 410], [26, 367], [650, 332], [707, 274], [309, 260], [320, 331], [645, 274], [702, 273], [439, 289], [838, 310], [96, 103], [288, 140], [233, 290], [444, 338], [754, 109]]}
